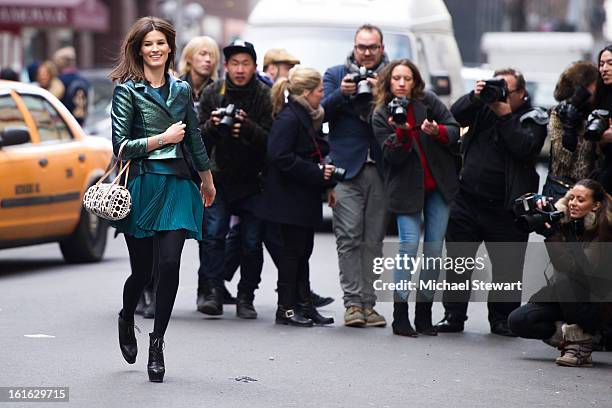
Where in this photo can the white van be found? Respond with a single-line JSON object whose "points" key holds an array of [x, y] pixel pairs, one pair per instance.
{"points": [[320, 33]]}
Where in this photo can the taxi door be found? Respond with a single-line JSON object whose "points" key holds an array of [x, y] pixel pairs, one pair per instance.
{"points": [[21, 176], [65, 164]]}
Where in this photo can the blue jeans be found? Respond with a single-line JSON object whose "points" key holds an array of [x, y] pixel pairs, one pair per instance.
{"points": [[212, 247], [435, 215]]}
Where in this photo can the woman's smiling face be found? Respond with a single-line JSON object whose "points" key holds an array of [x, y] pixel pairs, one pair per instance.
{"points": [[154, 49]]}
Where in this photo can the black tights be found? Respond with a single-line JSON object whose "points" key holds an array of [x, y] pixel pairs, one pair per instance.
{"points": [[159, 255]]}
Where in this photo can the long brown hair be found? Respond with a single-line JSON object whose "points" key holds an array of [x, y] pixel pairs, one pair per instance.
{"points": [[384, 94], [130, 65]]}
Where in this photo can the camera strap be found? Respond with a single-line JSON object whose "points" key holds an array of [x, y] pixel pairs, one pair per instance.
{"points": [[317, 152]]}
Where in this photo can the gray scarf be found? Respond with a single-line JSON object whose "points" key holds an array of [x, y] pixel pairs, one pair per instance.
{"points": [[316, 115]]}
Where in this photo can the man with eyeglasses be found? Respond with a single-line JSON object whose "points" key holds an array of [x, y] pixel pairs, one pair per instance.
{"points": [[499, 153], [359, 213]]}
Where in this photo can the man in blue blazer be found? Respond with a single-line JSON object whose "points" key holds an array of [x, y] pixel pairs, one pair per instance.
{"points": [[359, 213]]}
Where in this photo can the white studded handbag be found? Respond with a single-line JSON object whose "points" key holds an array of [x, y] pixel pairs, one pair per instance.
{"points": [[111, 201]]}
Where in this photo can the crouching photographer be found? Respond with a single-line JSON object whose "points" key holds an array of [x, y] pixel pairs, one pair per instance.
{"points": [[573, 153], [295, 178], [418, 137], [565, 313]]}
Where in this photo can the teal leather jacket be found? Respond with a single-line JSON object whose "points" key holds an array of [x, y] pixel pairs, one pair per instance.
{"points": [[138, 112]]}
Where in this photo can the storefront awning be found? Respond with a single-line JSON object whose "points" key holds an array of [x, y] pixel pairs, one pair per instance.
{"points": [[90, 15]]}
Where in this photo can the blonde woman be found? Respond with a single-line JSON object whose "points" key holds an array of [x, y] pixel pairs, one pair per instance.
{"points": [[295, 178], [199, 63]]}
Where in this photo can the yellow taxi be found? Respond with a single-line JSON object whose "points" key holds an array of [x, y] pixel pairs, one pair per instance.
{"points": [[46, 165]]}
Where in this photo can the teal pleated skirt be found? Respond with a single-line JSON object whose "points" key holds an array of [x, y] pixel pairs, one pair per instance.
{"points": [[162, 202]]}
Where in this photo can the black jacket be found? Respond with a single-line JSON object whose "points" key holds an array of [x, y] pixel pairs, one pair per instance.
{"points": [[403, 172], [237, 163], [293, 182], [520, 135]]}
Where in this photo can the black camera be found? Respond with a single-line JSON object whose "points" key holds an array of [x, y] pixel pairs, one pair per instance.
{"points": [[597, 123], [398, 108], [227, 116], [569, 111], [529, 217], [364, 91], [494, 90], [338, 174]]}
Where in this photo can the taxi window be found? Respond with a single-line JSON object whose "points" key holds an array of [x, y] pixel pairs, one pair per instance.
{"points": [[50, 125], [10, 116]]}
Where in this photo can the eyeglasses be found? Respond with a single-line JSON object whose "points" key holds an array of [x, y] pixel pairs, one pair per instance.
{"points": [[363, 48]]}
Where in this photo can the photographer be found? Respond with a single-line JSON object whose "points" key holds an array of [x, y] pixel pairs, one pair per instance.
{"points": [[603, 100], [561, 313], [235, 116], [417, 134], [296, 176], [499, 152], [359, 216], [572, 156]]}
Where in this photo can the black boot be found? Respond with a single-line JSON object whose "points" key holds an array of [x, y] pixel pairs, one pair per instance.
{"points": [[127, 340], [422, 318], [244, 307], [286, 314], [401, 324], [306, 307], [213, 301], [156, 367], [320, 301], [450, 324]]}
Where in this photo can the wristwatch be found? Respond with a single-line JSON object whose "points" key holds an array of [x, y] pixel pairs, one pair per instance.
{"points": [[160, 142]]}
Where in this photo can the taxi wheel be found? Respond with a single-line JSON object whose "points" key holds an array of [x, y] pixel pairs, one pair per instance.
{"points": [[88, 241]]}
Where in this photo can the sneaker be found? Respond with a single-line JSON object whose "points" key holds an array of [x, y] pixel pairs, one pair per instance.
{"points": [[353, 317], [373, 319], [575, 355]]}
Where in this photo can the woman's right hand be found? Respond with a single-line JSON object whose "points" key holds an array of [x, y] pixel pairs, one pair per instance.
{"points": [[175, 133]]}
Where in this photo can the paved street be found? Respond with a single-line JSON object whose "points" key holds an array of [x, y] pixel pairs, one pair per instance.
{"points": [[293, 367]]}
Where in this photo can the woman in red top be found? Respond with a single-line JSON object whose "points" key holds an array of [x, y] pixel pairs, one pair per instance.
{"points": [[419, 143]]}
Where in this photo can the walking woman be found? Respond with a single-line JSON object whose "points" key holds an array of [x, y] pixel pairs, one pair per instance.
{"points": [[153, 124], [296, 176], [420, 177]]}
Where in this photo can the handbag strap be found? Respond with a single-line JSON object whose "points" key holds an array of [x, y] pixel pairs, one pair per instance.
{"points": [[114, 166]]}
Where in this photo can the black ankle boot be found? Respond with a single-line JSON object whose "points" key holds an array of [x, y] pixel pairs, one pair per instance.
{"points": [[213, 302], [292, 318], [156, 367], [286, 312], [320, 301], [401, 324], [422, 318], [127, 340], [244, 307], [305, 305]]}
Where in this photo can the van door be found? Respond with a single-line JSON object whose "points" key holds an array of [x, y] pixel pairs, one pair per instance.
{"points": [[443, 60]]}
